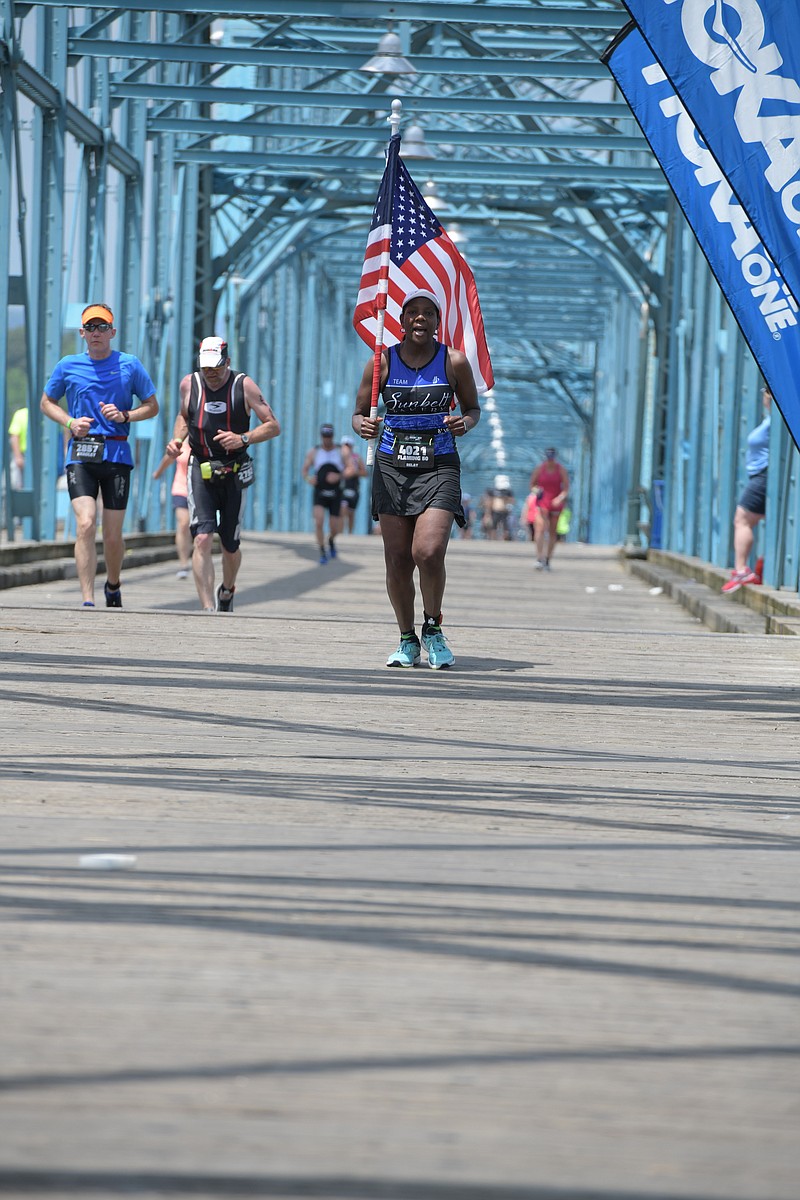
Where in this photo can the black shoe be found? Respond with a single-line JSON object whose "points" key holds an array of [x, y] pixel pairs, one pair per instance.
{"points": [[113, 596], [224, 603]]}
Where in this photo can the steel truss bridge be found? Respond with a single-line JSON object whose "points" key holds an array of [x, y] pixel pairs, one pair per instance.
{"points": [[212, 168]]}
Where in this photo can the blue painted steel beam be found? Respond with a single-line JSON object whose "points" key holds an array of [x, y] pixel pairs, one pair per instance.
{"points": [[372, 101], [335, 61], [46, 259], [323, 166], [520, 15], [32, 84], [9, 121], [364, 133]]}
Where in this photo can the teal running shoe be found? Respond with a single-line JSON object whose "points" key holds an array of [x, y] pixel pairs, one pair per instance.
{"points": [[406, 654], [439, 653]]}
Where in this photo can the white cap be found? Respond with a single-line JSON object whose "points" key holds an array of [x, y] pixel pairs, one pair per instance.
{"points": [[348, 441], [213, 352], [423, 294]]}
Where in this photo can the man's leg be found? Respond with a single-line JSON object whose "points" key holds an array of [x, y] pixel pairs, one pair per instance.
{"points": [[231, 561], [203, 569], [232, 504], [335, 523], [319, 526], [113, 543], [85, 510], [398, 536], [431, 535]]}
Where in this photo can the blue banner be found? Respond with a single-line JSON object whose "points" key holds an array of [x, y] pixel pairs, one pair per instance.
{"points": [[763, 306], [735, 65]]}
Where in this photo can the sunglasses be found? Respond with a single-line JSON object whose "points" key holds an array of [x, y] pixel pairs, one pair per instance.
{"points": [[98, 327]]}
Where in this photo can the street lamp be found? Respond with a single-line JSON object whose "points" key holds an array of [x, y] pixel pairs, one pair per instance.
{"points": [[414, 145], [388, 60]]}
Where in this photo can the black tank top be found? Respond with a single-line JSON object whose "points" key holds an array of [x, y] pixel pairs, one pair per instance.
{"points": [[210, 412]]}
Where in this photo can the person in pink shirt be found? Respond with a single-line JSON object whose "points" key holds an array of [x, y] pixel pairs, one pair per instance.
{"points": [[551, 480], [180, 503]]}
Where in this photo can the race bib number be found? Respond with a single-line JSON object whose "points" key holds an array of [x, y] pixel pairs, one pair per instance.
{"points": [[246, 473], [88, 450], [413, 451]]}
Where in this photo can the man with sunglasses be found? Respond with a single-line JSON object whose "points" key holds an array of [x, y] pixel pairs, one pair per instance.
{"points": [[215, 414], [100, 387]]}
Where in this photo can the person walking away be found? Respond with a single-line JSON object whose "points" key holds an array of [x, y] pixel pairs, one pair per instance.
{"points": [[323, 469], [550, 478], [216, 407], [752, 504], [180, 505], [354, 471], [100, 386], [416, 481]]}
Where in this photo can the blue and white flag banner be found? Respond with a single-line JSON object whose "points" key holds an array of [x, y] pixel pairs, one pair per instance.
{"points": [[763, 306], [735, 65]]}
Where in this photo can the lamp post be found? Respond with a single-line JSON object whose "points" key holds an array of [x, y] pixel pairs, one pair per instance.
{"points": [[388, 59]]}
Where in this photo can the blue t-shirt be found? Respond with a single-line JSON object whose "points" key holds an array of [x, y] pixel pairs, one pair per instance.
{"points": [[757, 457], [89, 382]]}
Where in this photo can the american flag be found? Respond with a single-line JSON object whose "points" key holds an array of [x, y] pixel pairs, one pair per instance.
{"points": [[421, 255]]}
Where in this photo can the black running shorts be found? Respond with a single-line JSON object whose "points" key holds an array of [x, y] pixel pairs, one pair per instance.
{"points": [[329, 498], [111, 480], [215, 506], [400, 493], [754, 495]]}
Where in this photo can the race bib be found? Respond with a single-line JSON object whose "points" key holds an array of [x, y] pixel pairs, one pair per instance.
{"points": [[246, 473], [88, 449], [413, 451]]}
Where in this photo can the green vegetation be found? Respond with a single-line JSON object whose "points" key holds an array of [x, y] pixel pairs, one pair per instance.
{"points": [[17, 372]]}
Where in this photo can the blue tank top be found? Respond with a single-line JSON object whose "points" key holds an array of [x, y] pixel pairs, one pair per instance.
{"points": [[418, 399], [757, 456]]}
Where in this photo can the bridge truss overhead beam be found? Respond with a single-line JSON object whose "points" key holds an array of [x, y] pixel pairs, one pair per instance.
{"points": [[325, 60], [315, 166], [486, 105], [515, 15], [361, 133]]}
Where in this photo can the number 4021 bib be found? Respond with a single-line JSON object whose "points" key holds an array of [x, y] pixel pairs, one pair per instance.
{"points": [[413, 451]]}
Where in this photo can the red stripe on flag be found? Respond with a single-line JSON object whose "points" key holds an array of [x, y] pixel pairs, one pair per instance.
{"points": [[438, 266]]}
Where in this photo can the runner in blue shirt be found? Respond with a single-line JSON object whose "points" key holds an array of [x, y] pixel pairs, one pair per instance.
{"points": [[99, 386]]}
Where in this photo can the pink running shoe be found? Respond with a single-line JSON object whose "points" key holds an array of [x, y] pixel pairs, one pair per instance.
{"points": [[739, 579]]}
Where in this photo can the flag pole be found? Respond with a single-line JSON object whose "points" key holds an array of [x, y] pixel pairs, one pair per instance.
{"points": [[380, 302]]}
